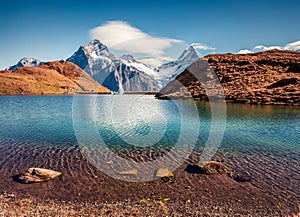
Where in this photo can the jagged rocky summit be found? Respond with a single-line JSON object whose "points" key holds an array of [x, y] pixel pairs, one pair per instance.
{"points": [[269, 77]]}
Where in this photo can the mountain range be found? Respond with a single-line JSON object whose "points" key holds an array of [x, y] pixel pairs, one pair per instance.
{"points": [[126, 73], [123, 74]]}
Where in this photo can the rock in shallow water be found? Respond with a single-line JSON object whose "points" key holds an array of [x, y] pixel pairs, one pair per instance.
{"points": [[241, 178], [164, 172], [35, 175], [207, 167], [131, 172], [212, 167]]}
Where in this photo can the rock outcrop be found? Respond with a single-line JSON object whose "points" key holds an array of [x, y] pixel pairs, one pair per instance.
{"points": [[51, 78], [270, 77]]}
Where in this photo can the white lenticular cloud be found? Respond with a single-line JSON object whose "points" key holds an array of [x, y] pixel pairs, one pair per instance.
{"points": [[121, 36], [265, 48], [293, 46], [201, 46], [244, 51]]}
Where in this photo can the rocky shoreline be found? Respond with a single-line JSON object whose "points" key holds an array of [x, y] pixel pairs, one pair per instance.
{"points": [[15, 205], [207, 191]]}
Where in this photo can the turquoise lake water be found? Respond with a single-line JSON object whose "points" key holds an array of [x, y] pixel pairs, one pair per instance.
{"points": [[261, 141], [48, 119]]}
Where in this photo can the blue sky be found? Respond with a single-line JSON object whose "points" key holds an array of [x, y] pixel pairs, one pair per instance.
{"points": [[53, 30]]}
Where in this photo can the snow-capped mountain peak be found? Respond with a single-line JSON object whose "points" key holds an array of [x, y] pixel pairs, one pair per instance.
{"points": [[188, 53], [26, 61], [168, 71], [96, 49], [94, 53]]}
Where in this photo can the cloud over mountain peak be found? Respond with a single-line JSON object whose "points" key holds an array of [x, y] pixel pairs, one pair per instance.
{"points": [[122, 36]]}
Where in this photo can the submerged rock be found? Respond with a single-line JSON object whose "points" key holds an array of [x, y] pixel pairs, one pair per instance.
{"points": [[132, 172], [214, 167], [241, 178], [207, 167], [164, 172], [35, 175]]}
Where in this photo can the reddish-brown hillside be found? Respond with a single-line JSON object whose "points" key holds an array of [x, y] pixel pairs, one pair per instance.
{"points": [[58, 77], [270, 77]]}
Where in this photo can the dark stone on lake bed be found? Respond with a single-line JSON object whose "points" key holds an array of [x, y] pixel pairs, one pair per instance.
{"points": [[241, 178], [207, 167], [194, 169], [213, 167]]}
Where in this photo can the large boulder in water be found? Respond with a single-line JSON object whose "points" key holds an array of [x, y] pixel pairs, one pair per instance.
{"points": [[207, 167], [35, 175], [214, 167]]}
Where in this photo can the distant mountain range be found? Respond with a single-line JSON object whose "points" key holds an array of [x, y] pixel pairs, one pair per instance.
{"points": [[124, 73]]}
